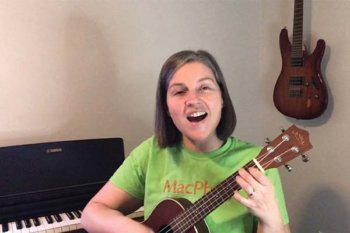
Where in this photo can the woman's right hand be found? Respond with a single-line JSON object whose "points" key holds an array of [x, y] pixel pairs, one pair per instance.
{"points": [[106, 212]]}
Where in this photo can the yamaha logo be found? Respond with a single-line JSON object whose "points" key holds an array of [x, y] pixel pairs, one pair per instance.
{"points": [[54, 150]]}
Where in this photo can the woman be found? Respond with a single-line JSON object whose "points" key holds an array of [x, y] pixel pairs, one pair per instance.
{"points": [[191, 152]]}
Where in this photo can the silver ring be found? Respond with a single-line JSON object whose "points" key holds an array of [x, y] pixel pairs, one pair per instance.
{"points": [[252, 193]]}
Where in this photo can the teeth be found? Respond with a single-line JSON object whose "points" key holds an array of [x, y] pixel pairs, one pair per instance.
{"points": [[197, 114]]}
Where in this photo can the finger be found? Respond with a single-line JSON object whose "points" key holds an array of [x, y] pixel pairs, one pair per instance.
{"points": [[244, 201], [248, 188], [248, 177], [259, 176], [245, 185]]}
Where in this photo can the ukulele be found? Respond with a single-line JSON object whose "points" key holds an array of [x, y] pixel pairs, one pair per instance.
{"points": [[180, 215], [300, 91]]}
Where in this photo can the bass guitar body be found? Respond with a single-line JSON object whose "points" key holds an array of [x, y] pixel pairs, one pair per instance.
{"points": [[300, 91], [163, 218]]}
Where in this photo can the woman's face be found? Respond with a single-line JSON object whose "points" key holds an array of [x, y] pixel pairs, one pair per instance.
{"points": [[195, 103]]}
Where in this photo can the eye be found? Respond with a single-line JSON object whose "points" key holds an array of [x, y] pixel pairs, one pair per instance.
{"points": [[177, 91], [204, 87]]}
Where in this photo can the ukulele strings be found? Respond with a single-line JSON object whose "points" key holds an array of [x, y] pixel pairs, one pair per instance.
{"points": [[184, 219]]}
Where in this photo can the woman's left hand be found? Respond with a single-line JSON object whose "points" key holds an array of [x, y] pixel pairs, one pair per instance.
{"points": [[261, 199]]}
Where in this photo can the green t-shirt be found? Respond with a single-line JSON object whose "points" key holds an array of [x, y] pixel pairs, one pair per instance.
{"points": [[153, 174]]}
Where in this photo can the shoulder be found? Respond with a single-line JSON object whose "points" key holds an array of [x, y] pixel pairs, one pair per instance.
{"points": [[149, 143], [147, 152], [241, 142], [145, 149], [239, 145]]}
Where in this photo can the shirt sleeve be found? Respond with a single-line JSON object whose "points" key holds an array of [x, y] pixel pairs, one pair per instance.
{"points": [[130, 176]]}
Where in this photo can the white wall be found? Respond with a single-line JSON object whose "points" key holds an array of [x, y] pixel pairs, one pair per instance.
{"points": [[88, 69], [317, 192], [73, 69]]}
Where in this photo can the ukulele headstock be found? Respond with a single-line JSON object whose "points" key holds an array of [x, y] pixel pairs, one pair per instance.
{"points": [[288, 145]]}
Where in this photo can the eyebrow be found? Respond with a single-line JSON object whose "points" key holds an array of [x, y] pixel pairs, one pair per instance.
{"points": [[200, 80]]}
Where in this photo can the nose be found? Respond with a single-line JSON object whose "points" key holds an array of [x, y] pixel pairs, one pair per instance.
{"points": [[192, 98]]}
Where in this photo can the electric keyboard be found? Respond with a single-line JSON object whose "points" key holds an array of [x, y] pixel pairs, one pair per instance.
{"points": [[45, 186]]}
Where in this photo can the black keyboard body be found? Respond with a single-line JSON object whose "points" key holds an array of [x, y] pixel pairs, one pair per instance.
{"points": [[48, 178]]}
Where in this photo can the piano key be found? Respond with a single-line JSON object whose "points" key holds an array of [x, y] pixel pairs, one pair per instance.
{"points": [[76, 223], [24, 228], [63, 224], [19, 225], [27, 223], [31, 227], [41, 226], [66, 224], [49, 219], [57, 217], [36, 221], [55, 223], [77, 213], [52, 225], [4, 227], [10, 228], [56, 227], [14, 228], [70, 215], [47, 226]]}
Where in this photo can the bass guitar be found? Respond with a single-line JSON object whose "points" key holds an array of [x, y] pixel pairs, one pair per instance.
{"points": [[300, 91], [181, 216]]}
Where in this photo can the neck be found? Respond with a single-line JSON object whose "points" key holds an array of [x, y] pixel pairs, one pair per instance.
{"points": [[203, 146]]}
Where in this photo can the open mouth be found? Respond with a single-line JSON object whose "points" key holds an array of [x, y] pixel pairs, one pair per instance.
{"points": [[197, 116]]}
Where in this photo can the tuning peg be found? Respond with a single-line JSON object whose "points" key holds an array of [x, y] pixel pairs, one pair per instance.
{"points": [[282, 129], [305, 158], [289, 168], [267, 140]]}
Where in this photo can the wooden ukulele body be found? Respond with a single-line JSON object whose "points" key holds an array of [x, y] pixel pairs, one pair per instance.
{"points": [[166, 211]]}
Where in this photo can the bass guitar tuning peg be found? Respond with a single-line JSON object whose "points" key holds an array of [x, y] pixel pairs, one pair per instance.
{"points": [[282, 129], [267, 140], [289, 168], [305, 158]]}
